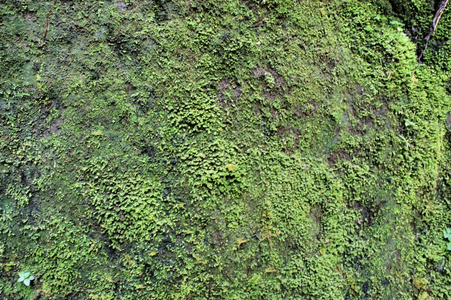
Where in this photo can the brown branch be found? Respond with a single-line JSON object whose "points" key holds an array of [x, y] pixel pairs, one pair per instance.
{"points": [[435, 21], [48, 22]]}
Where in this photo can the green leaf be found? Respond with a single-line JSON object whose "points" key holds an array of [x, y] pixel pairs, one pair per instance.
{"points": [[447, 234], [448, 246], [23, 276], [26, 278]]}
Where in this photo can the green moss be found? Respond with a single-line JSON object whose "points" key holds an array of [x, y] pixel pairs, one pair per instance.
{"points": [[238, 150]]}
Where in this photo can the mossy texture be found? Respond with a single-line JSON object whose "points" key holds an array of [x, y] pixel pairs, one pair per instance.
{"points": [[240, 149]]}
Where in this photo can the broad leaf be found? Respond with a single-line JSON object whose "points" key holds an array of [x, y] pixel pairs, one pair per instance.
{"points": [[447, 234], [23, 275]]}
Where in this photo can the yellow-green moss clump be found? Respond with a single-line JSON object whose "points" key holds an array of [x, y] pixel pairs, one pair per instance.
{"points": [[240, 149]]}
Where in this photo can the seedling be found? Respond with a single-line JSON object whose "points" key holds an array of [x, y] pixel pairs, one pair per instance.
{"points": [[26, 278], [447, 235]]}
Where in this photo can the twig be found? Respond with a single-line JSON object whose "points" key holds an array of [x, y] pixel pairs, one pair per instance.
{"points": [[435, 21], [48, 22]]}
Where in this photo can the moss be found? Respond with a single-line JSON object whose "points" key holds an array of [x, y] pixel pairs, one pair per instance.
{"points": [[238, 150]]}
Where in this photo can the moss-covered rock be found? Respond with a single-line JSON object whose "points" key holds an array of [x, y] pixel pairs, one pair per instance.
{"points": [[224, 149]]}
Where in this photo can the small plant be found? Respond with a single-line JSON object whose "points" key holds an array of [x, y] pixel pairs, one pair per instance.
{"points": [[447, 235], [26, 278]]}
